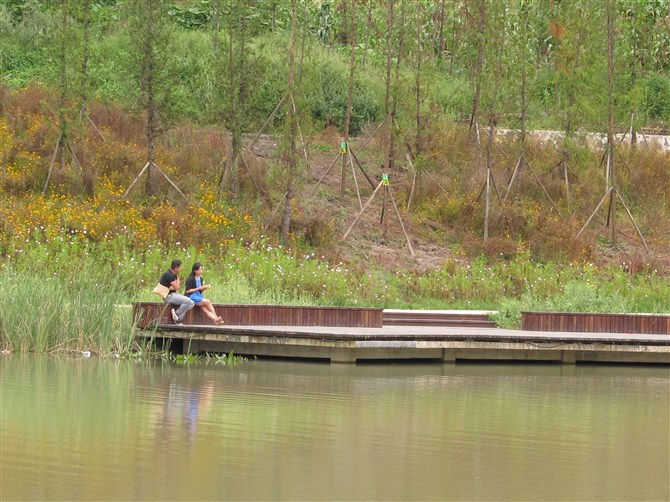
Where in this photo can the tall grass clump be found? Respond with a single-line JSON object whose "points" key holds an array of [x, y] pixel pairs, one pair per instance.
{"points": [[47, 313], [609, 290]]}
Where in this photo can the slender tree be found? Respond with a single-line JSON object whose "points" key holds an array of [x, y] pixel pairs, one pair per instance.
{"points": [[67, 47], [368, 32], [149, 29], [237, 89], [86, 42], [440, 39], [292, 118], [389, 65], [393, 133], [611, 180], [418, 62], [481, 29], [497, 36], [350, 92]]}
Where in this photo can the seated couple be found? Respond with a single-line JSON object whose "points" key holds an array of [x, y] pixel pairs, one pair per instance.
{"points": [[195, 285]]}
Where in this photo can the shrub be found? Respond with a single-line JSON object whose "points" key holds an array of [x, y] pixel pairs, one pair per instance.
{"points": [[657, 97]]}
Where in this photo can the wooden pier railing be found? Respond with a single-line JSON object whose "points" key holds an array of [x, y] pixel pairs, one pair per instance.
{"points": [[596, 323], [148, 314]]}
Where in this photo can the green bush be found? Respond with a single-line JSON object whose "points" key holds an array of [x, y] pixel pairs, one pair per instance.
{"points": [[657, 97], [328, 84]]}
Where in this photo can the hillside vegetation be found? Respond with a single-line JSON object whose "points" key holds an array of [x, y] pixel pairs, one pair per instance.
{"points": [[80, 117]]}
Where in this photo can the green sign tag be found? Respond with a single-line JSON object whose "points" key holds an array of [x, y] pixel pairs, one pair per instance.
{"points": [[385, 178]]}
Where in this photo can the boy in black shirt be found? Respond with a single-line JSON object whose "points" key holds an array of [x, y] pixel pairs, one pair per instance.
{"points": [[170, 279]]}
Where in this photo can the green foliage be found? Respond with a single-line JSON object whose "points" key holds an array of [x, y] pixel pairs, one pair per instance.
{"points": [[185, 359], [326, 85], [47, 312], [23, 47], [231, 360], [563, 50], [657, 97], [194, 17]]}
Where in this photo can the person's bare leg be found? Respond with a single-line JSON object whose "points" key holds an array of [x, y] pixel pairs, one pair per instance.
{"points": [[206, 307]]}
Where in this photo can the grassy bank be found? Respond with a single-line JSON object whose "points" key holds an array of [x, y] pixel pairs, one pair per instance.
{"points": [[81, 303]]}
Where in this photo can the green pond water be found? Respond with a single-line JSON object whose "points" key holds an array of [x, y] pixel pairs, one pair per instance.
{"points": [[98, 429]]}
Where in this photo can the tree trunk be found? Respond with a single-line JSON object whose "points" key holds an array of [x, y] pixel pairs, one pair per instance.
{"points": [[350, 95], [524, 96], [474, 117], [292, 131], [389, 63], [234, 21], [149, 76], [86, 6], [499, 42], [440, 44], [368, 32], [419, 57], [88, 177], [396, 82], [610, 128], [62, 102]]}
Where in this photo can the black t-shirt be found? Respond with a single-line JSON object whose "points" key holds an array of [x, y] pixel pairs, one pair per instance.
{"points": [[167, 278]]}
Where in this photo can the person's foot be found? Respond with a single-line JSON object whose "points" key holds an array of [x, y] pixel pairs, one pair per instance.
{"points": [[174, 316], [219, 321]]}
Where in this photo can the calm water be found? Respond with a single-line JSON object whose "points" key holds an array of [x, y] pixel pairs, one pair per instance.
{"points": [[90, 429]]}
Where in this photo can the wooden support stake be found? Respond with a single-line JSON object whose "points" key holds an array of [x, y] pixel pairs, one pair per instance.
{"points": [[602, 201], [353, 173], [169, 180], [267, 121], [125, 194], [609, 208], [51, 164], [251, 176], [302, 140], [96, 129], [630, 215], [567, 182], [397, 212], [76, 160], [360, 213], [645, 139], [511, 180], [371, 136], [360, 166], [327, 171], [623, 160], [381, 217], [411, 192], [544, 189], [498, 147]]}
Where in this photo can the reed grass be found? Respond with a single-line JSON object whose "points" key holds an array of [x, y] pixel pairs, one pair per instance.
{"points": [[45, 313]]}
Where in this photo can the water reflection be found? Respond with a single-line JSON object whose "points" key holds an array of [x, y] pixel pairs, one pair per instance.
{"points": [[91, 429]]}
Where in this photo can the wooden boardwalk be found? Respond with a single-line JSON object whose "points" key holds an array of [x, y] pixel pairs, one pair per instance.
{"points": [[421, 341]]}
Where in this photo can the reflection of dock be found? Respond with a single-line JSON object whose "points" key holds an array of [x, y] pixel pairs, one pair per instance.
{"points": [[354, 341]]}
